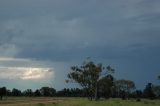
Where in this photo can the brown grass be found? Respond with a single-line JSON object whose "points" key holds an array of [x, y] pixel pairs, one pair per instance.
{"points": [[24, 101]]}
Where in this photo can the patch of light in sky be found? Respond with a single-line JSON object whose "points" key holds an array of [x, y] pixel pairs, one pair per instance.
{"points": [[26, 73]]}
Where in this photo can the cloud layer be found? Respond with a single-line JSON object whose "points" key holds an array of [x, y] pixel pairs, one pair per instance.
{"points": [[46, 31]]}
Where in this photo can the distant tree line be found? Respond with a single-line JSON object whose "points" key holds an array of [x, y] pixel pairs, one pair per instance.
{"points": [[44, 91], [124, 89]]}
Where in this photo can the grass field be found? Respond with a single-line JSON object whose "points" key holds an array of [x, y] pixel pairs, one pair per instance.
{"points": [[110, 102], [42, 101]]}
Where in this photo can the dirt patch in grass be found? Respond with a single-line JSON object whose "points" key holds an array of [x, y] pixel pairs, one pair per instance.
{"points": [[29, 101]]}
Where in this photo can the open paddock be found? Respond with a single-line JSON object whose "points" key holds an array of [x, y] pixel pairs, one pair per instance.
{"points": [[53, 101], [28, 101]]}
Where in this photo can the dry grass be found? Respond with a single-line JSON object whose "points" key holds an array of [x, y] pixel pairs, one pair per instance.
{"points": [[28, 101], [46, 101]]}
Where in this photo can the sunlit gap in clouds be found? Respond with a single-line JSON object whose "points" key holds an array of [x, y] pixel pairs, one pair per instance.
{"points": [[24, 73]]}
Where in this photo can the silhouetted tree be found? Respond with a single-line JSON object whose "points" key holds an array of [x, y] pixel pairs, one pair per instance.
{"points": [[148, 91], [105, 86], [138, 94], [9, 93], [46, 91], [16, 92], [66, 92], [76, 92], [52, 91], [124, 87], [37, 93], [88, 76], [28, 92], [3, 92], [156, 90], [73, 92]]}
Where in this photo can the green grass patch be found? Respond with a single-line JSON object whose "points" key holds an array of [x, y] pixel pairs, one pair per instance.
{"points": [[52, 101], [109, 102]]}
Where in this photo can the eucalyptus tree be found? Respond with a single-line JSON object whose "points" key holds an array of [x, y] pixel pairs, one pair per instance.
{"points": [[28, 92], [156, 90], [105, 87], [3, 92], [124, 87], [88, 76], [148, 91], [47, 91]]}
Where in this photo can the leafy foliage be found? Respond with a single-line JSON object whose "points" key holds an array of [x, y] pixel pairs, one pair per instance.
{"points": [[148, 91], [156, 90], [3, 92], [89, 75], [124, 87], [47, 91]]}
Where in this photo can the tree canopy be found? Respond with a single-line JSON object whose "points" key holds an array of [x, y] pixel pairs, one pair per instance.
{"points": [[148, 91], [123, 87], [89, 75], [3, 92]]}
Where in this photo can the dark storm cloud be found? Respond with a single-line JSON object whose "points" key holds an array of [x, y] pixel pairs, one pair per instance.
{"points": [[55, 29], [69, 29]]}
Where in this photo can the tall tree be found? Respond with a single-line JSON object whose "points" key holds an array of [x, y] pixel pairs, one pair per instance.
{"points": [[148, 91], [16, 92], [37, 93], [28, 92], [47, 91], [88, 75], [124, 87], [3, 92], [156, 90], [105, 86]]}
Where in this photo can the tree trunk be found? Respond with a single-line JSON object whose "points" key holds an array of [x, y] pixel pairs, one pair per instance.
{"points": [[96, 92]]}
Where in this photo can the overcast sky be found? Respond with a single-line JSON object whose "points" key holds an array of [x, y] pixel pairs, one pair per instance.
{"points": [[41, 39]]}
